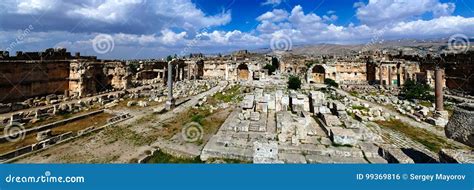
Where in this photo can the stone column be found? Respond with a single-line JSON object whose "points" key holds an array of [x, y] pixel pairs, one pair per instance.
{"points": [[405, 74], [399, 77], [439, 89], [380, 75], [226, 71], [170, 103], [389, 71]]}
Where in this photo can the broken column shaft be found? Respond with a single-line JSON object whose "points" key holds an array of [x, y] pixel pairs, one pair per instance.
{"points": [[439, 89], [170, 102]]}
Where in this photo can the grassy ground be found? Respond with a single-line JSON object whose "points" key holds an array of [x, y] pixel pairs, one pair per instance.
{"points": [[426, 103], [429, 140], [96, 120], [354, 93], [230, 95], [125, 133], [360, 108], [162, 157]]}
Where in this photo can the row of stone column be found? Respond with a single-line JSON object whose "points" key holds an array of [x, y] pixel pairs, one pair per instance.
{"points": [[389, 77]]}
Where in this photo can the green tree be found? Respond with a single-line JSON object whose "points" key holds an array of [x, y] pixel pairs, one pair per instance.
{"points": [[294, 82], [271, 69], [133, 67], [169, 58], [331, 83], [415, 90]]}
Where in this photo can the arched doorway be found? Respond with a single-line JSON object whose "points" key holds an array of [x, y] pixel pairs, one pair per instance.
{"points": [[318, 74], [243, 72]]}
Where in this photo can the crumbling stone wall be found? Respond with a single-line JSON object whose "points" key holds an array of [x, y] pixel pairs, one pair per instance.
{"points": [[22, 79], [55, 71]]}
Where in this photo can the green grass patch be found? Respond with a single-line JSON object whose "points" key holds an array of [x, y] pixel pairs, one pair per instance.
{"points": [[228, 95], [230, 161], [197, 118], [426, 104], [360, 108], [354, 93], [429, 140], [162, 157]]}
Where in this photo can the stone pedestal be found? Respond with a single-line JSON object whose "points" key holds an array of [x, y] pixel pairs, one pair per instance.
{"points": [[170, 104]]}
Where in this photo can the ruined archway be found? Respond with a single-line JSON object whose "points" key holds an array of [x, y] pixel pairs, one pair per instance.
{"points": [[243, 71]]}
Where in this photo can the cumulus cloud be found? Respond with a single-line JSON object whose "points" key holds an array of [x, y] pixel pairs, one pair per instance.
{"points": [[108, 16], [169, 37], [276, 15], [35, 6], [310, 28], [151, 28], [390, 11], [272, 2]]}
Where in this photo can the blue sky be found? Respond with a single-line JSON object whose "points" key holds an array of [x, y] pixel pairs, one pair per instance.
{"points": [[129, 29]]}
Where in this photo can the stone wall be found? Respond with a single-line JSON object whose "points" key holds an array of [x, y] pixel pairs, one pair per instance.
{"points": [[37, 74], [24, 79]]}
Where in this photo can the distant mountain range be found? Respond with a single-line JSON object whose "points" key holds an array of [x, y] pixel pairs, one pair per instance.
{"points": [[408, 46]]}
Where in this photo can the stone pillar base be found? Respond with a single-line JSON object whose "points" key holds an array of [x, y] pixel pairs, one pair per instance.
{"points": [[440, 118], [441, 114], [170, 104]]}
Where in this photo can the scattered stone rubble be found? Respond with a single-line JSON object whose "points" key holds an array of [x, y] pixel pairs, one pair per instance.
{"points": [[297, 127]]}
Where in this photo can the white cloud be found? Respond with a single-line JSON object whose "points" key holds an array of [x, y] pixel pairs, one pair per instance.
{"points": [[95, 15], [391, 11], [34, 6], [169, 37], [276, 15], [168, 27], [442, 26], [272, 2], [231, 38], [187, 15], [309, 28]]}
